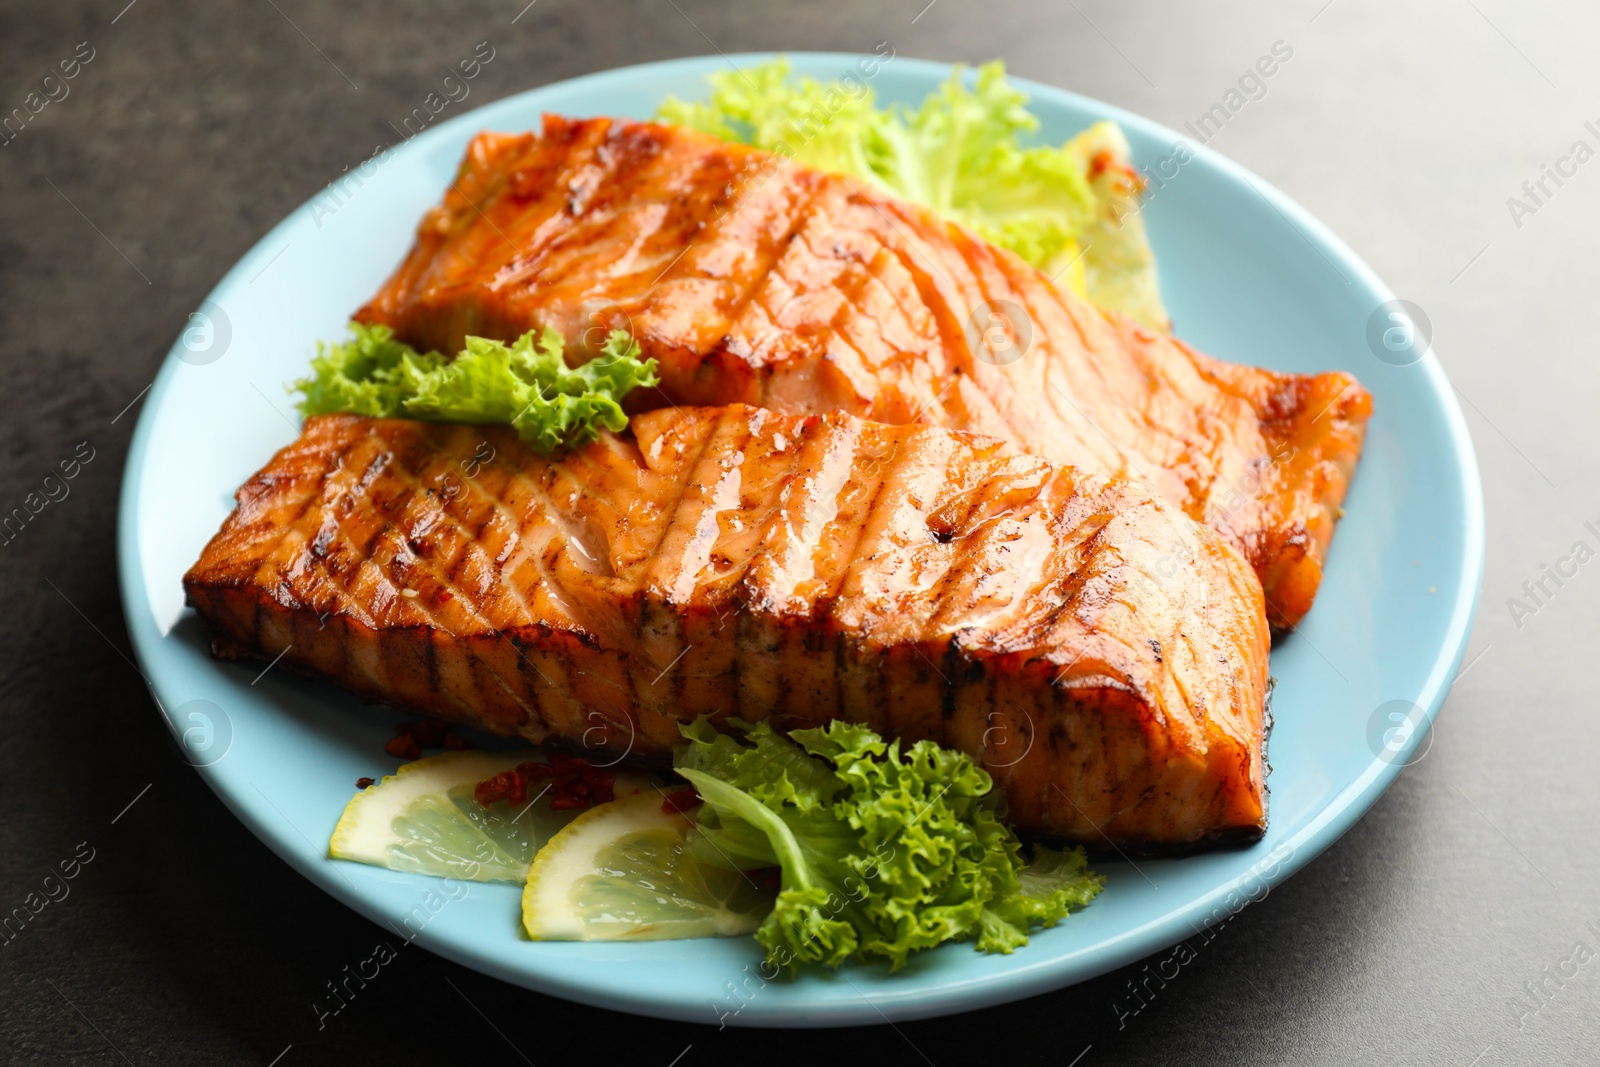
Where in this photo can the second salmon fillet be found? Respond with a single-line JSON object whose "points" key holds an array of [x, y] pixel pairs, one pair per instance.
{"points": [[1104, 657], [754, 280]]}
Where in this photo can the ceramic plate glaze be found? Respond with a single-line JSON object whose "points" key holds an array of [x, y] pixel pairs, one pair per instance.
{"points": [[1249, 277]]}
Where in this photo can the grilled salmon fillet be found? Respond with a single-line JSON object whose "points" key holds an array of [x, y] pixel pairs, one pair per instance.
{"points": [[754, 280], [1101, 654]]}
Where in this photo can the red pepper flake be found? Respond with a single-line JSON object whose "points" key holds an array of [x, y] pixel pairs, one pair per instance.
{"points": [[403, 746], [1129, 178], [680, 803], [507, 785], [362, 783], [571, 783], [413, 737]]}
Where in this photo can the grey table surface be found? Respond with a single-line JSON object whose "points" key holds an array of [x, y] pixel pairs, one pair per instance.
{"points": [[1450, 926]]}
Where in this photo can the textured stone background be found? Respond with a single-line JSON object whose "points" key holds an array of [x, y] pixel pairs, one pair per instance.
{"points": [[197, 126]]}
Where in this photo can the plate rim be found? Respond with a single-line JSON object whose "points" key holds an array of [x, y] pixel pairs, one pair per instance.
{"points": [[1030, 977]]}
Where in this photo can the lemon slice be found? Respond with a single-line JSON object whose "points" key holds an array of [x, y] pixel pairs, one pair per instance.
{"points": [[620, 872], [423, 819]]}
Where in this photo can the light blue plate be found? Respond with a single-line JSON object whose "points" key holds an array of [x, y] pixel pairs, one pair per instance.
{"points": [[1249, 277]]}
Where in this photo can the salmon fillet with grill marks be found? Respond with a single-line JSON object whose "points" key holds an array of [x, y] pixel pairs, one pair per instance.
{"points": [[757, 281], [1102, 655]]}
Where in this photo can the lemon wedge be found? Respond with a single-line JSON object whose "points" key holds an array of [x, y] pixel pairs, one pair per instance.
{"points": [[620, 871], [423, 819]]}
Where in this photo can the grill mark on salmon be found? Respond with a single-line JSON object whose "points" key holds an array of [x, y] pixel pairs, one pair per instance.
{"points": [[1104, 656], [753, 280]]}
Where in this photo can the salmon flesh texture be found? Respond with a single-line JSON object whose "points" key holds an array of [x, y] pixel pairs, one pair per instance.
{"points": [[754, 280], [1103, 656]]}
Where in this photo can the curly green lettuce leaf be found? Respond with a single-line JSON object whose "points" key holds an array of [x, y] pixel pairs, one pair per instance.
{"points": [[526, 384], [965, 153], [883, 850], [824, 125]]}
